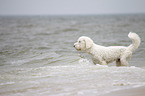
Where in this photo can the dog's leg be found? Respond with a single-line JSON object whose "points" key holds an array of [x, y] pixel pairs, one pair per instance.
{"points": [[99, 62], [118, 63], [125, 58], [103, 63], [124, 62]]}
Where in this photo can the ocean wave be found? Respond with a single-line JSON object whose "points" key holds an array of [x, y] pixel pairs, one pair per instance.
{"points": [[37, 55]]}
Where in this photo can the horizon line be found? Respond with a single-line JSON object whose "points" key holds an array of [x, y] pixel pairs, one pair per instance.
{"points": [[69, 14]]}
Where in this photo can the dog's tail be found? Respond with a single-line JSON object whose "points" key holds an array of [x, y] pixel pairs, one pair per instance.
{"points": [[135, 41]]}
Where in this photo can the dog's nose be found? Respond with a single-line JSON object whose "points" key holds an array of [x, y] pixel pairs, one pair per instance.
{"points": [[74, 46]]}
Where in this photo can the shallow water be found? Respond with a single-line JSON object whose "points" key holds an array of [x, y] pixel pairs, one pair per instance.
{"points": [[37, 55]]}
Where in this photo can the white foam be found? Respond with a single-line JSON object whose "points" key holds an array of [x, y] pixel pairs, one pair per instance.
{"points": [[7, 83], [98, 65], [84, 62], [78, 78]]}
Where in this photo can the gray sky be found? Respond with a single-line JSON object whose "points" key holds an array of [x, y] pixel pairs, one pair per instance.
{"points": [[60, 7]]}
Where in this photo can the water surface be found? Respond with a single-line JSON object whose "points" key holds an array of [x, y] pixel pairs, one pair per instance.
{"points": [[37, 55]]}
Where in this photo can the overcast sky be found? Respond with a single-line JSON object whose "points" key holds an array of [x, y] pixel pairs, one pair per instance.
{"points": [[60, 7]]}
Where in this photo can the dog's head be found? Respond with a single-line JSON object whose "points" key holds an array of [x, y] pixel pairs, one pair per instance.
{"points": [[83, 43]]}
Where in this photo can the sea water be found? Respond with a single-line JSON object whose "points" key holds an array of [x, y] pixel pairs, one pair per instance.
{"points": [[37, 57]]}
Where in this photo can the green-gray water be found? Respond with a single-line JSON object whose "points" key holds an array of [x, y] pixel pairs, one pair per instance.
{"points": [[37, 57]]}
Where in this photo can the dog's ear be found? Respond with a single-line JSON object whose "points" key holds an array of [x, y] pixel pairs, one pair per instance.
{"points": [[89, 43]]}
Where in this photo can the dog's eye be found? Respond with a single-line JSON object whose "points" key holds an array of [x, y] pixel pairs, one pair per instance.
{"points": [[79, 41]]}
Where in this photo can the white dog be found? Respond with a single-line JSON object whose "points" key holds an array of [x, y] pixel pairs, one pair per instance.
{"points": [[104, 55]]}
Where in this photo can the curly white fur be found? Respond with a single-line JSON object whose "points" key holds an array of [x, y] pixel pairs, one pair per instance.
{"points": [[104, 55]]}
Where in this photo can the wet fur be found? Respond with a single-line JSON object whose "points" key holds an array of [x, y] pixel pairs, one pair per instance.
{"points": [[105, 55]]}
